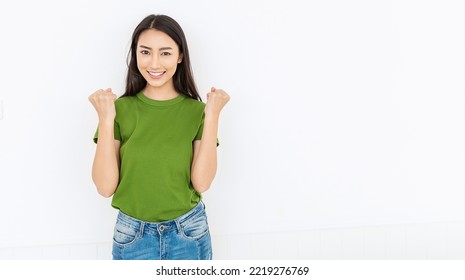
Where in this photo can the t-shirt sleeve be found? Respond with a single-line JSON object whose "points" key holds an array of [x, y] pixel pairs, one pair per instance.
{"points": [[200, 131], [116, 132]]}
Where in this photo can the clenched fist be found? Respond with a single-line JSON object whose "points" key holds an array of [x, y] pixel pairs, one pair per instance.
{"points": [[104, 103], [216, 99]]}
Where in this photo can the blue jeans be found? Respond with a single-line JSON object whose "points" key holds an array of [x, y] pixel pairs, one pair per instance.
{"points": [[184, 238]]}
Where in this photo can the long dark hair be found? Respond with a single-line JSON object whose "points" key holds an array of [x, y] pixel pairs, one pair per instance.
{"points": [[183, 78]]}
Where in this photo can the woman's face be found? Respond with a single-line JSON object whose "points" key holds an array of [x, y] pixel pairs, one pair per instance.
{"points": [[157, 58]]}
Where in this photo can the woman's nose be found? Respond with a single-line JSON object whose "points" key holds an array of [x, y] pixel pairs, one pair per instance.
{"points": [[155, 61]]}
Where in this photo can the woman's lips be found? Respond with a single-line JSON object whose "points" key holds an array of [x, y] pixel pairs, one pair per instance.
{"points": [[156, 75]]}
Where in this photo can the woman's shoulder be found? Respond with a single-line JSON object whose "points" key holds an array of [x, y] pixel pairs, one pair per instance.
{"points": [[125, 104], [193, 105], [194, 102], [125, 100]]}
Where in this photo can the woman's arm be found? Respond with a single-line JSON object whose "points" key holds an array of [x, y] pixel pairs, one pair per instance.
{"points": [[105, 168], [204, 162]]}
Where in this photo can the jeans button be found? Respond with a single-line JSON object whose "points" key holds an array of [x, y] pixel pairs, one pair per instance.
{"points": [[162, 228]]}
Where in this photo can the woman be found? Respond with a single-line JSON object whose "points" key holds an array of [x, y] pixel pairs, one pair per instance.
{"points": [[156, 148]]}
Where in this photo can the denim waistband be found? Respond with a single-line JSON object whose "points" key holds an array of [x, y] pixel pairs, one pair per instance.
{"points": [[159, 226]]}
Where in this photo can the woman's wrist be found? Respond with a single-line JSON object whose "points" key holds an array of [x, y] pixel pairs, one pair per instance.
{"points": [[212, 115], [106, 122]]}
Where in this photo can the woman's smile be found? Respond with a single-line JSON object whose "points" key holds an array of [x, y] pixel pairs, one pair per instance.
{"points": [[156, 75]]}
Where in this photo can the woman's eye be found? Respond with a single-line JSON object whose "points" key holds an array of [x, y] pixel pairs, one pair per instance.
{"points": [[144, 52], [165, 53]]}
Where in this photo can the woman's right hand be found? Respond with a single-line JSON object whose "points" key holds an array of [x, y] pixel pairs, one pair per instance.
{"points": [[104, 103]]}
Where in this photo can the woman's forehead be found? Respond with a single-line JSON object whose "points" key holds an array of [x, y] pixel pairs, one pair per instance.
{"points": [[156, 39]]}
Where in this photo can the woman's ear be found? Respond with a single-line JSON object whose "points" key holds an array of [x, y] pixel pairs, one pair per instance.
{"points": [[180, 58]]}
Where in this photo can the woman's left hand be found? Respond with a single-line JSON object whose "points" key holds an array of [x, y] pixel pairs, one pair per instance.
{"points": [[216, 99]]}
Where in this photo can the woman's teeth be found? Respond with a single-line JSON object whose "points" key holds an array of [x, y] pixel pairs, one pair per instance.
{"points": [[156, 73]]}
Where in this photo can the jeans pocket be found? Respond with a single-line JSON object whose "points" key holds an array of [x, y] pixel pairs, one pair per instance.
{"points": [[124, 234], [195, 227]]}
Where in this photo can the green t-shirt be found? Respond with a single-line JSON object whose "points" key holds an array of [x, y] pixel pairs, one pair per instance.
{"points": [[156, 154]]}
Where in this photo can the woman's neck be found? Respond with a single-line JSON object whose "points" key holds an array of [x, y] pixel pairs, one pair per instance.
{"points": [[160, 93]]}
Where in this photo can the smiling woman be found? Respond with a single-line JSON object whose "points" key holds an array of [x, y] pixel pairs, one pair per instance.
{"points": [[157, 60], [156, 148]]}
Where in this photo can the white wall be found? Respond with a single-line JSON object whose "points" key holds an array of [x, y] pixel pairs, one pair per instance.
{"points": [[343, 114]]}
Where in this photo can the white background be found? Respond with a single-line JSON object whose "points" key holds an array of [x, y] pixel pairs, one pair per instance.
{"points": [[342, 113]]}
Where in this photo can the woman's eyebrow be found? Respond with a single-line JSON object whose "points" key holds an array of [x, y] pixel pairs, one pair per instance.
{"points": [[160, 49]]}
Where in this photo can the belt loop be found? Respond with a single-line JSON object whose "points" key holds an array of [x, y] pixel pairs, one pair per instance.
{"points": [[141, 228], [178, 225]]}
